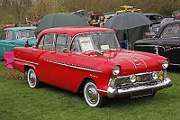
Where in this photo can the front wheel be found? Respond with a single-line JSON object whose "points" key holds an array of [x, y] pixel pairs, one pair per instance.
{"points": [[92, 96], [32, 79]]}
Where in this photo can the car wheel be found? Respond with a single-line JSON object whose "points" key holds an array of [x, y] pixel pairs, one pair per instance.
{"points": [[32, 79], [92, 96]]}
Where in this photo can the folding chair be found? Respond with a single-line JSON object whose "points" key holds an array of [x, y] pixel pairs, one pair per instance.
{"points": [[9, 70]]}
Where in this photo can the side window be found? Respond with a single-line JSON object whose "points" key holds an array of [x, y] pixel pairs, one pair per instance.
{"points": [[159, 17], [171, 31], [49, 42], [62, 42], [3, 35], [9, 35]]}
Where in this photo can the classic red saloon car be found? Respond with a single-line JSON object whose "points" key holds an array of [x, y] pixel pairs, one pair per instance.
{"points": [[90, 60]]}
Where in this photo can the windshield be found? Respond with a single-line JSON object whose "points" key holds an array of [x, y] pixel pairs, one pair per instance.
{"points": [[94, 42], [25, 34]]}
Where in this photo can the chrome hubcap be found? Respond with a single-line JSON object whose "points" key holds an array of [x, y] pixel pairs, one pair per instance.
{"points": [[92, 94], [32, 78]]}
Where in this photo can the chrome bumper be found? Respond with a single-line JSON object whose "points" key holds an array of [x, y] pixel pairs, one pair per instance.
{"points": [[112, 92]]}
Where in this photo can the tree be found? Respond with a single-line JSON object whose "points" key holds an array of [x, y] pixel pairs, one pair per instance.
{"points": [[17, 10], [40, 8]]}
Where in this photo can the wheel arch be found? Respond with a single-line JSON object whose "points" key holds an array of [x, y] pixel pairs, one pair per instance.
{"points": [[27, 67], [81, 87]]}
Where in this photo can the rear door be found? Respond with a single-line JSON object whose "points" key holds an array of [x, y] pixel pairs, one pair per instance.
{"points": [[54, 59]]}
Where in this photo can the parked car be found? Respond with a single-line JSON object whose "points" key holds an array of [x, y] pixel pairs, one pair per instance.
{"points": [[156, 18], [166, 42], [166, 20], [15, 37], [155, 27], [95, 19], [90, 60]]}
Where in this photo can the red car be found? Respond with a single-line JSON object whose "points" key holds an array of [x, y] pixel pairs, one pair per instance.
{"points": [[90, 60]]}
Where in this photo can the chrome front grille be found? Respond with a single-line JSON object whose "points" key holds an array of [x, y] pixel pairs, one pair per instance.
{"points": [[143, 79], [128, 84]]}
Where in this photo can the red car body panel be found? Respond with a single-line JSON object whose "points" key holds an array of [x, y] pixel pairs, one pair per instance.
{"points": [[69, 70]]}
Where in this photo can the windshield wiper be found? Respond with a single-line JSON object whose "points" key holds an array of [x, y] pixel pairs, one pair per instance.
{"points": [[96, 51]]}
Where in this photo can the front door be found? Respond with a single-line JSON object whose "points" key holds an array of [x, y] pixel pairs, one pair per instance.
{"points": [[170, 43]]}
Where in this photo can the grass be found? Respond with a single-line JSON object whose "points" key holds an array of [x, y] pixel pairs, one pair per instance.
{"points": [[19, 102]]}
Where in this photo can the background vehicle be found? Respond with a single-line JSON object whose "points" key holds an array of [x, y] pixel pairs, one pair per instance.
{"points": [[16, 36], [156, 18], [165, 43], [91, 18], [128, 9], [94, 19]]}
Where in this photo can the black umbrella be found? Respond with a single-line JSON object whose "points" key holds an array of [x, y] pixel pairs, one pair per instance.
{"points": [[58, 20], [126, 22]]}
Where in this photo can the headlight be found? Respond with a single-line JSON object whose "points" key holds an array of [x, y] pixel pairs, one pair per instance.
{"points": [[133, 78], [155, 75], [116, 70], [165, 64]]}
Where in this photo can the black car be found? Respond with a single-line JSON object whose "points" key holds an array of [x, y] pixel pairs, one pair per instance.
{"points": [[156, 18], [166, 42]]}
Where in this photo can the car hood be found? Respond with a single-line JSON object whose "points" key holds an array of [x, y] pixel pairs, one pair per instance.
{"points": [[132, 62], [148, 41]]}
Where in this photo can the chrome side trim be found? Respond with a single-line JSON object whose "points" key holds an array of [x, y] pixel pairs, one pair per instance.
{"points": [[173, 48], [159, 47], [25, 61], [174, 64], [74, 66]]}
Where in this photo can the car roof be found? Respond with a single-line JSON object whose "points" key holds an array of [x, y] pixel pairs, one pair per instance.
{"points": [[164, 25], [74, 30], [20, 28], [152, 14]]}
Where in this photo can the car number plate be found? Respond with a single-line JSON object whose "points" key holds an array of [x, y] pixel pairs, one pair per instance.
{"points": [[142, 93]]}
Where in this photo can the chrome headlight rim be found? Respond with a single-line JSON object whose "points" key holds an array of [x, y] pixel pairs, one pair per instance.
{"points": [[165, 64], [155, 75], [116, 70], [132, 78]]}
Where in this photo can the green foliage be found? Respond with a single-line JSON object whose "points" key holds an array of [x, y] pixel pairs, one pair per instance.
{"points": [[36, 9], [19, 102], [6, 17]]}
